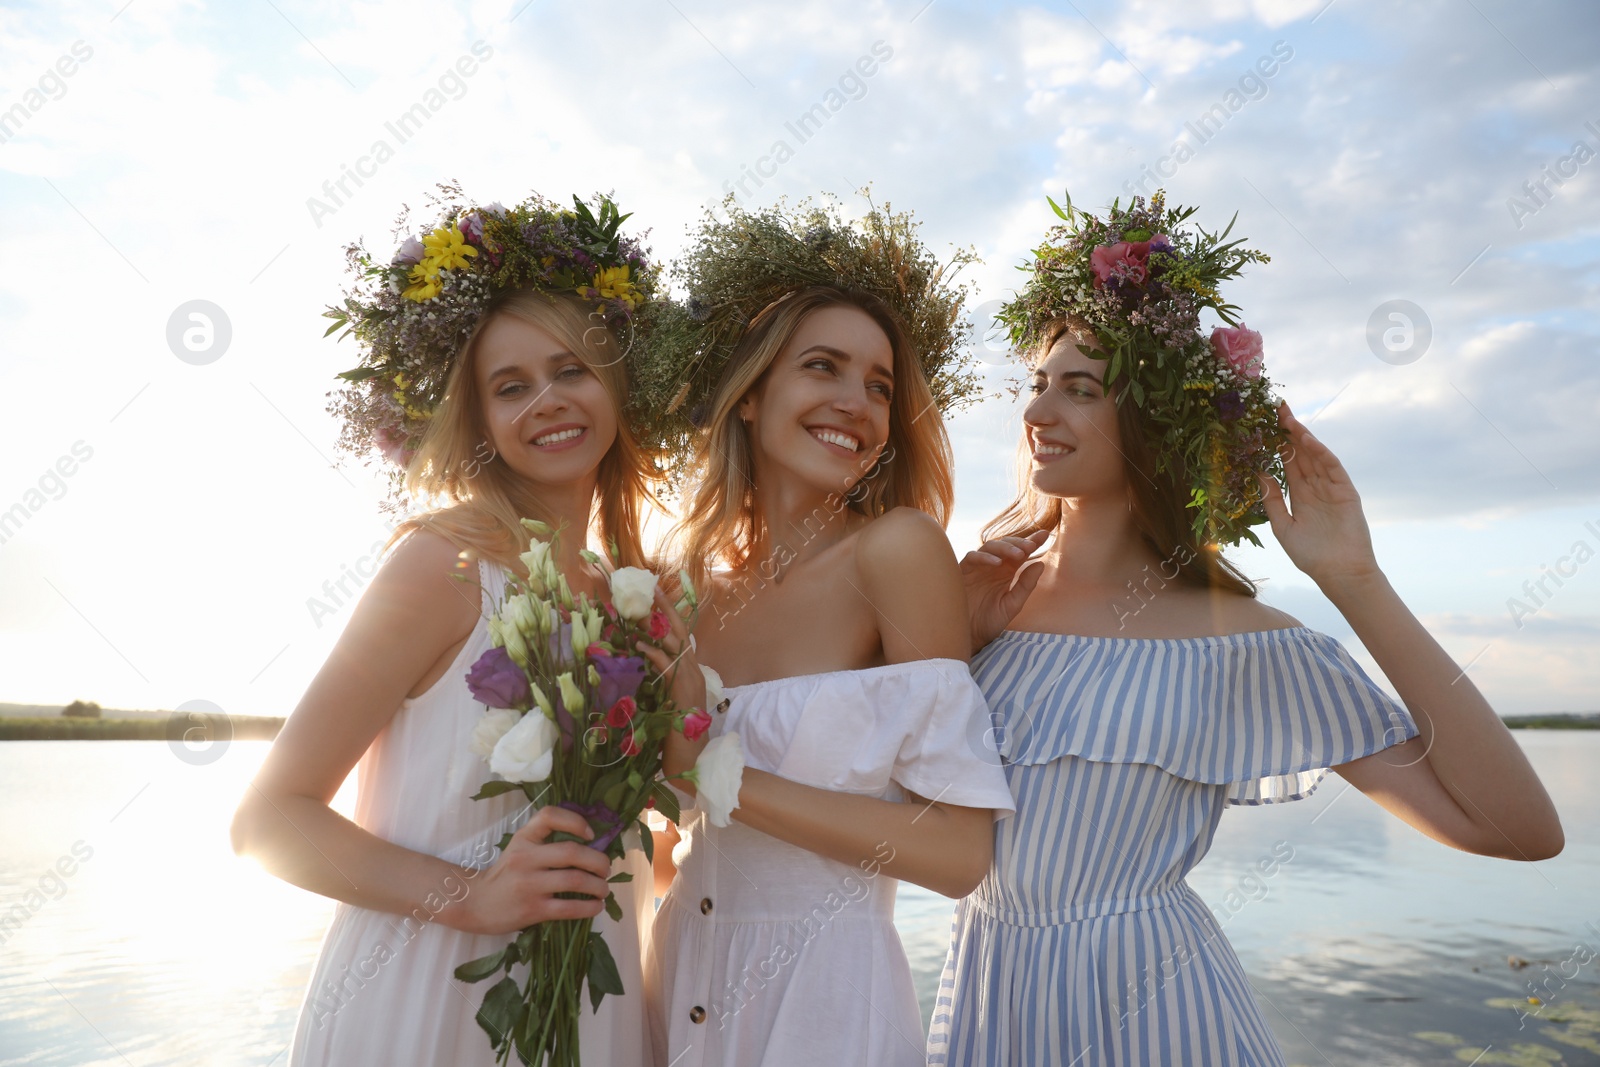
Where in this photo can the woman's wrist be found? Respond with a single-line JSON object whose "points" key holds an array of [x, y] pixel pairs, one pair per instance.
{"points": [[1356, 586], [462, 914]]}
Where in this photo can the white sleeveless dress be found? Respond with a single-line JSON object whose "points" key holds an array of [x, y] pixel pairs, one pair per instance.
{"points": [[765, 954], [382, 991]]}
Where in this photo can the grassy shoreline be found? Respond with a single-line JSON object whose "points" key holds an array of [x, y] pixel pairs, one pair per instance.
{"points": [[61, 728], [265, 728]]}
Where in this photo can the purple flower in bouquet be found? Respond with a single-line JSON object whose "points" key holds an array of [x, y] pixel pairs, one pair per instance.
{"points": [[471, 227], [565, 723], [606, 823], [561, 644], [1230, 405], [498, 682], [620, 676]]}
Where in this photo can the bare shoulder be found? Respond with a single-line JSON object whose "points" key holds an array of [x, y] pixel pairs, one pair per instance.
{"points": [[908, 572], [425, 573], [904, 538], [1236, 613]]}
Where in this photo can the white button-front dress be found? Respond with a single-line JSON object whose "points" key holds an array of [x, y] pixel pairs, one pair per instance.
{"points": [[382, 992], [764, 954]]}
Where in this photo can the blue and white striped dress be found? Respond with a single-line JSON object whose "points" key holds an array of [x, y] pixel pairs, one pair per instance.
{"points": [[1084, 945]]}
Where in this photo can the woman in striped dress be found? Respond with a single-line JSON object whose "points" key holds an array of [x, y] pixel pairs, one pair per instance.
{"points": [[1124, 732]]}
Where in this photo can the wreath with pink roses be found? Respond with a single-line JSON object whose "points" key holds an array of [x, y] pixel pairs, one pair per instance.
{"points": [[1139, 278]]}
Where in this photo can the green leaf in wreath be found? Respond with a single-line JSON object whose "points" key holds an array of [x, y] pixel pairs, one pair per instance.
{"points": [[623, 876], [479, 969], [613, 908]]}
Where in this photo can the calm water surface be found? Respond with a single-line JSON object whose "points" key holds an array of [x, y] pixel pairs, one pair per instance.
{"points": [[1369, 945]]}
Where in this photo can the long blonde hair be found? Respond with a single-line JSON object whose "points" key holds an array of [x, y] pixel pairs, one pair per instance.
{"points": [[914, 469], [1158, 501], [478, 499]]}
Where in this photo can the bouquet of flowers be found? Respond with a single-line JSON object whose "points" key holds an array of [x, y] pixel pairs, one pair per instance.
{"points": [[575, 720]]}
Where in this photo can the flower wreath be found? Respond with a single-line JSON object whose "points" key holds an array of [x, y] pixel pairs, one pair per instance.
{"points": [[412, 314], [735, 268], [1138, 279]]}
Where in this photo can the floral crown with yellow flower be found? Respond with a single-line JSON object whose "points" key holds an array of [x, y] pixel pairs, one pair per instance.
{"points": [[1139, 278], [412, 314]]}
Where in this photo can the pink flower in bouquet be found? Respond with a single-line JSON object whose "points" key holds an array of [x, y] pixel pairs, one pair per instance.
{"points": [[659, 626], [1126, 259], [622, 712], [696, 723], [1240, 347], [630, 747]]}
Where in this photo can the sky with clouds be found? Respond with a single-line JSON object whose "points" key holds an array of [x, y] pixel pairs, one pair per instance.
{"points": [[172, 522]]}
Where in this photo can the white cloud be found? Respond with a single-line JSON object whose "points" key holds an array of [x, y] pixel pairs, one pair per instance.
{"points": [[1383, 152]]}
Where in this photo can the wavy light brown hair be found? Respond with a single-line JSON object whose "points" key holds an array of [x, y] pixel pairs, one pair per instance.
{"points": [[478, 499], [1159, 501], [913, 470]]}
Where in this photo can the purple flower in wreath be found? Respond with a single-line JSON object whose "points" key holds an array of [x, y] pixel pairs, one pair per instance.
{"points": [[496, 681], [411, 251], [1230, 405], [471, 226], [606, 823], [620, 676]]}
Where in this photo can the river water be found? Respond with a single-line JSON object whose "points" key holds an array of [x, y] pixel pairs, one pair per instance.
{"points": [[133, 936]]}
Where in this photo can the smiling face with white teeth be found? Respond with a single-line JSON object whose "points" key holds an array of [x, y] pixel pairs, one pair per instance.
{"points": [[1070, 426], [820, 412], [547, 414]]}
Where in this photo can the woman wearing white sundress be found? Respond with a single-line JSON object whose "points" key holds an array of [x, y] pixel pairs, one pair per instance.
{"points": [[841, 620], [505, 403]]}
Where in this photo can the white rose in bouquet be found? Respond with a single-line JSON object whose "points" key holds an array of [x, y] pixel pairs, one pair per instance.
{"points": [[718, 774], [527, 751], [713, 687], [633, 591], [491, 728]]}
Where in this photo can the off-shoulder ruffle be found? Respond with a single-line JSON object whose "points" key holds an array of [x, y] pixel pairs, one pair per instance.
{"points": [[920, 726], [1266, 712]]}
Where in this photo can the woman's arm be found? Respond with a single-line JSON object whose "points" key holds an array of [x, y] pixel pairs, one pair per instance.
{"points": [[907, 574], [661, 858], [1464, 779], [412, 614]]}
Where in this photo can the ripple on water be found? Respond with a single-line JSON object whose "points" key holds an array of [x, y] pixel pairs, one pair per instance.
{"points": [[1362, 947]]}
